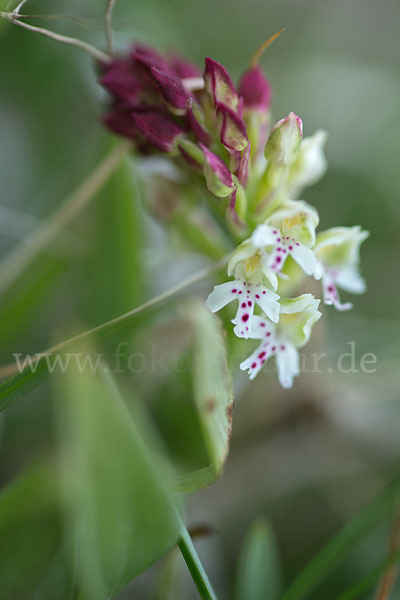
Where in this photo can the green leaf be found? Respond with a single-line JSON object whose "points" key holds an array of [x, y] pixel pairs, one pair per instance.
{"points": [[212, 389], [13, 387], [23, 304], [112, 271], [120, 516], [30, 532], [259, 572], [367, 582], [338, 548]]}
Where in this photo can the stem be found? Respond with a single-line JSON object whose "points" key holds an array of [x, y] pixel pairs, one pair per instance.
{"points": [[195, 566], [12, 368], [18, 8], [257, 55], [109, 31], [22, 256], [64, 39]]}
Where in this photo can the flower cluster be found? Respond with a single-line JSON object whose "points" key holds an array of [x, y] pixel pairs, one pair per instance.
{"points": [[220, 135]]}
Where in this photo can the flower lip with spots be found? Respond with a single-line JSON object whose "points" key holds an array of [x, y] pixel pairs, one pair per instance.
{"points": [[282, 340], [271, 344], [248, 296]]}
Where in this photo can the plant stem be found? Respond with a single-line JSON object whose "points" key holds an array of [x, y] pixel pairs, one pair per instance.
{"points": [[22, 256], [64, 39], [195, 566], [109, 31]]}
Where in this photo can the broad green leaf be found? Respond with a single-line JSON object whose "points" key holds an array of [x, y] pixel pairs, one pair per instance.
{"points": [[26, 299], [120, 517], [30, 532], [212, 389], [112, 278], [259, 573], [338, 548]]}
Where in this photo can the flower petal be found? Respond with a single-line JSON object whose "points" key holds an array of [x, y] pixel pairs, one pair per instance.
{"points": [[158, 129], [340, 246], [219, 85], [310, 164], [331, 295], [256, 360], [172, 90], [297, 318], [350, 280], [218, 177], [263, 236], [242, 252], [232, 129], [223, 294], [269, 274], [244, 316], [261, 328], [287, 362], [304, 257], [296, 219], [267, 300]]}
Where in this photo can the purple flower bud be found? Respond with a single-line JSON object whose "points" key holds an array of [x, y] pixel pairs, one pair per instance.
{"points": [[183, 68], [218, 177], [232, 129], [158, 129], [172, 90], [219, 85], [120, 79], [255, 90], [146, 56], [120, 121]]}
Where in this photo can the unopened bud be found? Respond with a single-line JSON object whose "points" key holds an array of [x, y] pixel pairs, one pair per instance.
{"points": [[284, 140]]}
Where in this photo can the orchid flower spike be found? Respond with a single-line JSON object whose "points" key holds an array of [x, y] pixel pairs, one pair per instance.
{"points": [[236, 180]]}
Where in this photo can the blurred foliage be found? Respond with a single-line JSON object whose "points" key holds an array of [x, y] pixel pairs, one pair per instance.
{"points": [[310, 458], [259, 572]]}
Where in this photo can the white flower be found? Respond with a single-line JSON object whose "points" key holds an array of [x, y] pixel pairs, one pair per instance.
{"points": [[293, 331], [248, 295], [338, 254], [289, 231], [309, 166]]}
